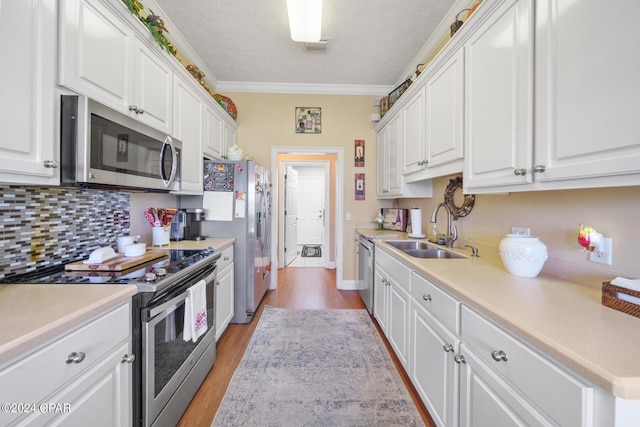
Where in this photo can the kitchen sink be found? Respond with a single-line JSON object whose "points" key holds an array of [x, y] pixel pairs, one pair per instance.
{"points": [[405, 245], [418, 249]]}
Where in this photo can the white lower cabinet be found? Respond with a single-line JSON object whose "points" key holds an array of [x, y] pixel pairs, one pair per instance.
{"points": [[224, 291], [391, 302], [83, 377], [469, 371], [433, 371]]}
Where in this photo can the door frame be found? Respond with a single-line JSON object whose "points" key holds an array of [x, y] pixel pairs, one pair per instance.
{"points": [[338, 208]]}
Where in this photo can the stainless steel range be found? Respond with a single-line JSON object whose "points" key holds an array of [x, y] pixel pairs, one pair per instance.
{"points": [[167, 369]]}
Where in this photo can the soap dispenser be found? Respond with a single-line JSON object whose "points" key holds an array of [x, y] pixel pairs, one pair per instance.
{"points": [[433, 234]]}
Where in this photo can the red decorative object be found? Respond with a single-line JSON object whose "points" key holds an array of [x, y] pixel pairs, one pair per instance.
{"points": [[227, 104]]}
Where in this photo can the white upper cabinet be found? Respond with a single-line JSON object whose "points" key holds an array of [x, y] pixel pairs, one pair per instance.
{"points": [[572, 126], [102, 57], [499, 98], [96, 52], [588, 91], [415, 151], [29, 145], [153, 92], [445, 117], [219, 132], [188, 128]]}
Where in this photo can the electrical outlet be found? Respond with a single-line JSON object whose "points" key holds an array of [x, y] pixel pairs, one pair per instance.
{"points": [[605, 255], [376, 102], [521, 231]]}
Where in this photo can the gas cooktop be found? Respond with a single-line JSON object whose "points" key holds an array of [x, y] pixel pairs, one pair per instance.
{"points": [[147, 276]]}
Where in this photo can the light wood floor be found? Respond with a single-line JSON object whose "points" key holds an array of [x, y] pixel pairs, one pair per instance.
{"points": [[297, 288]]}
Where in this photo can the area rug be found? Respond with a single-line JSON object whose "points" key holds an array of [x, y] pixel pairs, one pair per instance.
{"points": [[316, 368], [311, 251]]}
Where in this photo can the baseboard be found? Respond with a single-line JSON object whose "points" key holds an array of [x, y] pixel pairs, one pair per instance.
{"points": [[331, 265], [349, 285]]}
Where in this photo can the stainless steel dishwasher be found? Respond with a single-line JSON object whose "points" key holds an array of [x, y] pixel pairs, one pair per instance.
{"points": [[365, 271]]}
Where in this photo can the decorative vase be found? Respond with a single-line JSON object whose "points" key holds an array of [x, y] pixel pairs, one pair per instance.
{"points": [[234, 153], [523, 256]]}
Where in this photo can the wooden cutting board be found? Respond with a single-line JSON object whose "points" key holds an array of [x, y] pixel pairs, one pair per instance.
{"points": [[118, 263]]}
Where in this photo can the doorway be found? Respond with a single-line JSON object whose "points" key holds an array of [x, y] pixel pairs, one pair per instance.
{"points": [[304, 222], [331, 160]]}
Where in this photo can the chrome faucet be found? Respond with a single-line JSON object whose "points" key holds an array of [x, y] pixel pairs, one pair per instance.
{"points": [[452, 232]]}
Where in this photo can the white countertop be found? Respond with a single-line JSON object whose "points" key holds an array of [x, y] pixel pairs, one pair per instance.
{"points": [[564, 319], [33, 314]]}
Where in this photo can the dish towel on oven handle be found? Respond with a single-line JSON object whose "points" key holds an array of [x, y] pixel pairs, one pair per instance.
{"points": [[195, 311]]}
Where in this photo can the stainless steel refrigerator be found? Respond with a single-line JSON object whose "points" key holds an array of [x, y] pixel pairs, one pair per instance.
{"points": [[237, 203]]}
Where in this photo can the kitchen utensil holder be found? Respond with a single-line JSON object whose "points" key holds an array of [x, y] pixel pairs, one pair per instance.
{"points": [[610, 298], [160, 236]]}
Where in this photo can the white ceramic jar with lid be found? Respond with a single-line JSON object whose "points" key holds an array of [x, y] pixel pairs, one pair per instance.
{"points": [[523, 256]]}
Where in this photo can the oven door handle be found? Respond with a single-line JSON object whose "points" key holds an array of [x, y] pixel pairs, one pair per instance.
{"points": [[174, 302]]}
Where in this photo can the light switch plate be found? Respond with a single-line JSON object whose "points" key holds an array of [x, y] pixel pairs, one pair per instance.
{"points": [[606, 255], [347, 216]]}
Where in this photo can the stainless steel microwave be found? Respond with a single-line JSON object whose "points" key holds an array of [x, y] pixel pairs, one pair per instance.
{"points": [[101, 147]]}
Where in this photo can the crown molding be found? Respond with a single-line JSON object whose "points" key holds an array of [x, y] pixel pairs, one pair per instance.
{"points": [[303, 88]]}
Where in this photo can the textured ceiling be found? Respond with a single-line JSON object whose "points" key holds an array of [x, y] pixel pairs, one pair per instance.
{"points": [[247, 41]]}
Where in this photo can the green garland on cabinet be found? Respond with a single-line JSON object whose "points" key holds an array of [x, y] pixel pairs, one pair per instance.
{"points": [[153, 23]]}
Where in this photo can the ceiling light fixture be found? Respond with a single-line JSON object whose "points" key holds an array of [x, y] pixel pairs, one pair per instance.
{"points": [[305, 20]]}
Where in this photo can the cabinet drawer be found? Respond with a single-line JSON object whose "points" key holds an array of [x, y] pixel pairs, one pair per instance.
{"points": [[393, 267], [225, 259], [42, 372], [563, 397], [437, 302]]}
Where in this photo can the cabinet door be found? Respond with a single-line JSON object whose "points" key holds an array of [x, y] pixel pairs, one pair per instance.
{"points": [[380, 299], [188, 113], [381, 163], [498, 98], [228, 140], [413, 142], [433, 371], [398, 321], [213, 133], [394, 156], [153, 89], [587, 89], [224, 299], [95, 52], [486, 400], [28, 106], [445, 113]]}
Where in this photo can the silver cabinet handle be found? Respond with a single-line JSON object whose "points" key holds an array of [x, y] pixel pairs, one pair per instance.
{"points": [[426, 297], [459, 359], [128, 358], [225, 258], [520, 172], [539, 169], [135, 109], [448, 348], [51, 164], [75, 357], [499, 356]]}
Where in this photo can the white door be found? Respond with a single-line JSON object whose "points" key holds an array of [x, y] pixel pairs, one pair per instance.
{"points": [[290, 215], [311, 207]]}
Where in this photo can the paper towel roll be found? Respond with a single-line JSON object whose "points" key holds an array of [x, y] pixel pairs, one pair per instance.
{"points": [[416, 223]]}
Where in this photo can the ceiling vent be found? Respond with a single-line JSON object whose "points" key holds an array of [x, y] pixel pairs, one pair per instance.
{"points": [[321, 46]]}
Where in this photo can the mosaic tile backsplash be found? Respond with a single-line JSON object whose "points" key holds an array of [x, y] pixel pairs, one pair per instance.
{"points": [[43, 227]]}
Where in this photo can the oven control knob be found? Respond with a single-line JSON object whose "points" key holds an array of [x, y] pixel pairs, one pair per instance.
{"points": [[160, 272], [150, 277]]}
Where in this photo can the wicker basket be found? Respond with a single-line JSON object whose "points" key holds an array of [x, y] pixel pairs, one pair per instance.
{"points": [[610, 299]]}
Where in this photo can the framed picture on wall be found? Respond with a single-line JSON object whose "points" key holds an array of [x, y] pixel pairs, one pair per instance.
{"points": [[308, 120], [359, 188], [358, 156]]}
